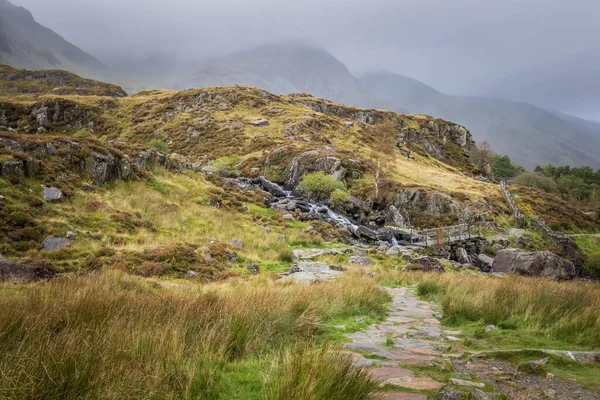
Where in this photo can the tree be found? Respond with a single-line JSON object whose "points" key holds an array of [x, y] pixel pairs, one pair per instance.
{"points": [[504, 168], [384, 144], [482, 155]]}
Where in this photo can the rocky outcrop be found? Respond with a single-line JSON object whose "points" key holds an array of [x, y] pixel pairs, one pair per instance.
{"points": [[104, 164], [538, 263], [312, 161], [22, 273], [415, 205]]}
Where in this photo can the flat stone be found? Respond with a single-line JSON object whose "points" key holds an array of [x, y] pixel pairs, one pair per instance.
{"points": [[453, 339], [400, 396], [51, 194], [360, 260], [413, 383], [385, 374], [260, 122], [461, 382]]}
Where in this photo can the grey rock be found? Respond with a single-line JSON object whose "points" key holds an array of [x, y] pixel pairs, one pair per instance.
{"points": [[462, 382], [366, 233], [485, 262], [254, 269], [359, 251], [360, 260], [271, 187], [447, 393], [497, 247], [393, 251], [477, 394], [538, 263], [462, 256], [51, 193], [209, 169], [491, 328], [13, 169], [537, 364], [393, 216], [191, 274], [260, 122], [288, 217], [22, 273], [71, 235], [53, 243], [429, 264], [348, 124], [237, 243]]}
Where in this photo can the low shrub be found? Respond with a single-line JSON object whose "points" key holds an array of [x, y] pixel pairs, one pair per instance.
{"points": [[159, 145], [319, 185], [340, 200], [592, 265]]}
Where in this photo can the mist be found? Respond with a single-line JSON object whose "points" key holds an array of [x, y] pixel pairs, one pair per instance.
{"points": [[543, 52]]}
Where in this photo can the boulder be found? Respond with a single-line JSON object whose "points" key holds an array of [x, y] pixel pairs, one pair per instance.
{"points": [[271, 187], [360, 260], [429, 264], [53, 243], [23, 273], [447, 393], [365, 233], [51, 193], [484, 262], [288, 217], [393, 216], [260, 122], [462, 256], [537, 263], [393, 251]]}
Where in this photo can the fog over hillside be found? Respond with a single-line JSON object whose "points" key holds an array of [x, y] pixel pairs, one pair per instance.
{"points": [[540, 52]]}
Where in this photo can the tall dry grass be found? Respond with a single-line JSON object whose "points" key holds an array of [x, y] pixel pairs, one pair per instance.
{"points": [[118, 336], [566, 312]]}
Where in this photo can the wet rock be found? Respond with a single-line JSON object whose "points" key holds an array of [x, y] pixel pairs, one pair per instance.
{"points": [[23, 273], [53, 243], [360, 260], [538, 263], [271, 187], [253, 268]]}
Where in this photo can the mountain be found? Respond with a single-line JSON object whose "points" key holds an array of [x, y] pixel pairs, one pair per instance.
{"points": [[530, 135], [284, 69], [26, 44]]}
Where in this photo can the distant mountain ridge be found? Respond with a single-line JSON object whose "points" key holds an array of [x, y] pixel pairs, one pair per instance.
{"points": [[530, 135], [284, 69], [26, 44]]}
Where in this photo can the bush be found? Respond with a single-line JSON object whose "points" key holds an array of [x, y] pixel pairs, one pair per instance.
{"points": [[536, 181], [592, 265], [159, 145], [319, 185], [340, 200]]}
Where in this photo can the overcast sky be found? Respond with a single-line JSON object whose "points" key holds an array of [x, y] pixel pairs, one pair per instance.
{"points": [[543, 51]]}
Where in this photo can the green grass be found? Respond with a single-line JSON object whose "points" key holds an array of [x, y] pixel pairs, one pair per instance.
{"points": [[113, 335]]}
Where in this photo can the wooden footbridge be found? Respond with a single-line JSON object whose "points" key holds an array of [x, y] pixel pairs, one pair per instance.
{"points": [[445, 235]]}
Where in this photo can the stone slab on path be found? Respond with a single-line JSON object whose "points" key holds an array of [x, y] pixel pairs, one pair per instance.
{"points": [[401, 396]]}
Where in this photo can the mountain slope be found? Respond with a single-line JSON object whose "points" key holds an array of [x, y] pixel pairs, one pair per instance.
{"points": [[24, 43], [530, 135], [283, 69]]}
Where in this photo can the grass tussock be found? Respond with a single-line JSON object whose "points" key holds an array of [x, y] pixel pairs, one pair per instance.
{"points": [[529, 311], [114, 335]]}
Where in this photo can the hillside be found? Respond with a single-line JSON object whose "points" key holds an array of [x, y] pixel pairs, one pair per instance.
{"points": [[228, 242], [26, 44], [531, 136], [283, 69]]}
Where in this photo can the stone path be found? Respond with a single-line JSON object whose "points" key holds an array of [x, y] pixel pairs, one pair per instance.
{"points": [[411, 335]]}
